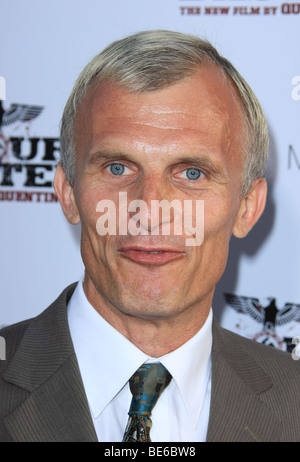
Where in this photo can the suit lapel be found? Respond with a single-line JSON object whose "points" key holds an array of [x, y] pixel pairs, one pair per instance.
{"points": [[238, 412], [45, 365], [57, 411]]}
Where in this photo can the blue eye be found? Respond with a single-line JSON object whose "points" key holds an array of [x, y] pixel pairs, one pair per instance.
{"points": [[193, 173], [117, 169]]}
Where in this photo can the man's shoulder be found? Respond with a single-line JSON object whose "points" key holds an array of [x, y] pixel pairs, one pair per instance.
{"points": [[14, 334], [256, 387], [275, 362]]}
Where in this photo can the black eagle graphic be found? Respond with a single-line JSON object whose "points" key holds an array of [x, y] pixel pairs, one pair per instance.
{"points": [[18, 113], [268, 315]]}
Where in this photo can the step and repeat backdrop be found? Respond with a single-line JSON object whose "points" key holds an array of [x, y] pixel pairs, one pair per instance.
{"points": [[44, 46]]}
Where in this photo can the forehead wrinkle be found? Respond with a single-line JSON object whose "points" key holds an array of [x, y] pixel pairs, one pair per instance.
{"points": [[168, 127], [199, 124], [191, 118]]}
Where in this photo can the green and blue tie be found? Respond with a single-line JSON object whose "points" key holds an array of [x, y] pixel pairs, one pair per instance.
{"points": [[146, 385]]}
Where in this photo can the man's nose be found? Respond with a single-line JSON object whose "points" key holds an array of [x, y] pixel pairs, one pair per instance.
{"points": [[147, 202]]}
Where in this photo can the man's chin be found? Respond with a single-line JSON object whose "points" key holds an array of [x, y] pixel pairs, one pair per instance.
{"points": [[149, 307]]}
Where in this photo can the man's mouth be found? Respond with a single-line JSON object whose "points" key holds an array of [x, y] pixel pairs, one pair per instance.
{"points": [[151, 251], [150, 256]]}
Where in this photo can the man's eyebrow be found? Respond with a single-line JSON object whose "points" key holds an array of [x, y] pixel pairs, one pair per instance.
{"points": [[203, 163], [97, 157]]}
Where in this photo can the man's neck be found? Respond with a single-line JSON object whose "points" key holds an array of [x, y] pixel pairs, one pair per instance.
{"points": [[155, 336]]}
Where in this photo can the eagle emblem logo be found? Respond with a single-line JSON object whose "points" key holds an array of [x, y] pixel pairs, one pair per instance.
{"points": [[18, 113], [268, 314], [15, 113]]}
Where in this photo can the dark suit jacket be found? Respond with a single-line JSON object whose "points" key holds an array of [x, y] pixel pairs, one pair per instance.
{"points": [[255, 388]]}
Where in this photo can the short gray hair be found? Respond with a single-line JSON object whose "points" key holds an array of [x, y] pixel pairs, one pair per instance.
{"points": [[152, 60]]}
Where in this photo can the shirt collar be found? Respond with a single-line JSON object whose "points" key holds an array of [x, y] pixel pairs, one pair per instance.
{"points": [[97, 342], [190, 367]]}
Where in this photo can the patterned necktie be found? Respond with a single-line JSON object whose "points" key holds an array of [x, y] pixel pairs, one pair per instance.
{"points": [[146, 385]]}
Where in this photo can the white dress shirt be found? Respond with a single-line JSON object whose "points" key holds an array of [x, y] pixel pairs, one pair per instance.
{"points": [[107, 360]]}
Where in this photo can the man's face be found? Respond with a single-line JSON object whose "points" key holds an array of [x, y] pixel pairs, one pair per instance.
{"points": [[184, 142]]}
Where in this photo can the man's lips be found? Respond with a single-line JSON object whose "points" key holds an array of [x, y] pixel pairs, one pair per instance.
{"points": [[151, 255]]}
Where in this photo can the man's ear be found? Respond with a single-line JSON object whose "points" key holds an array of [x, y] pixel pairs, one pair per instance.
{"points": [[251, 208], [65, 194]]}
